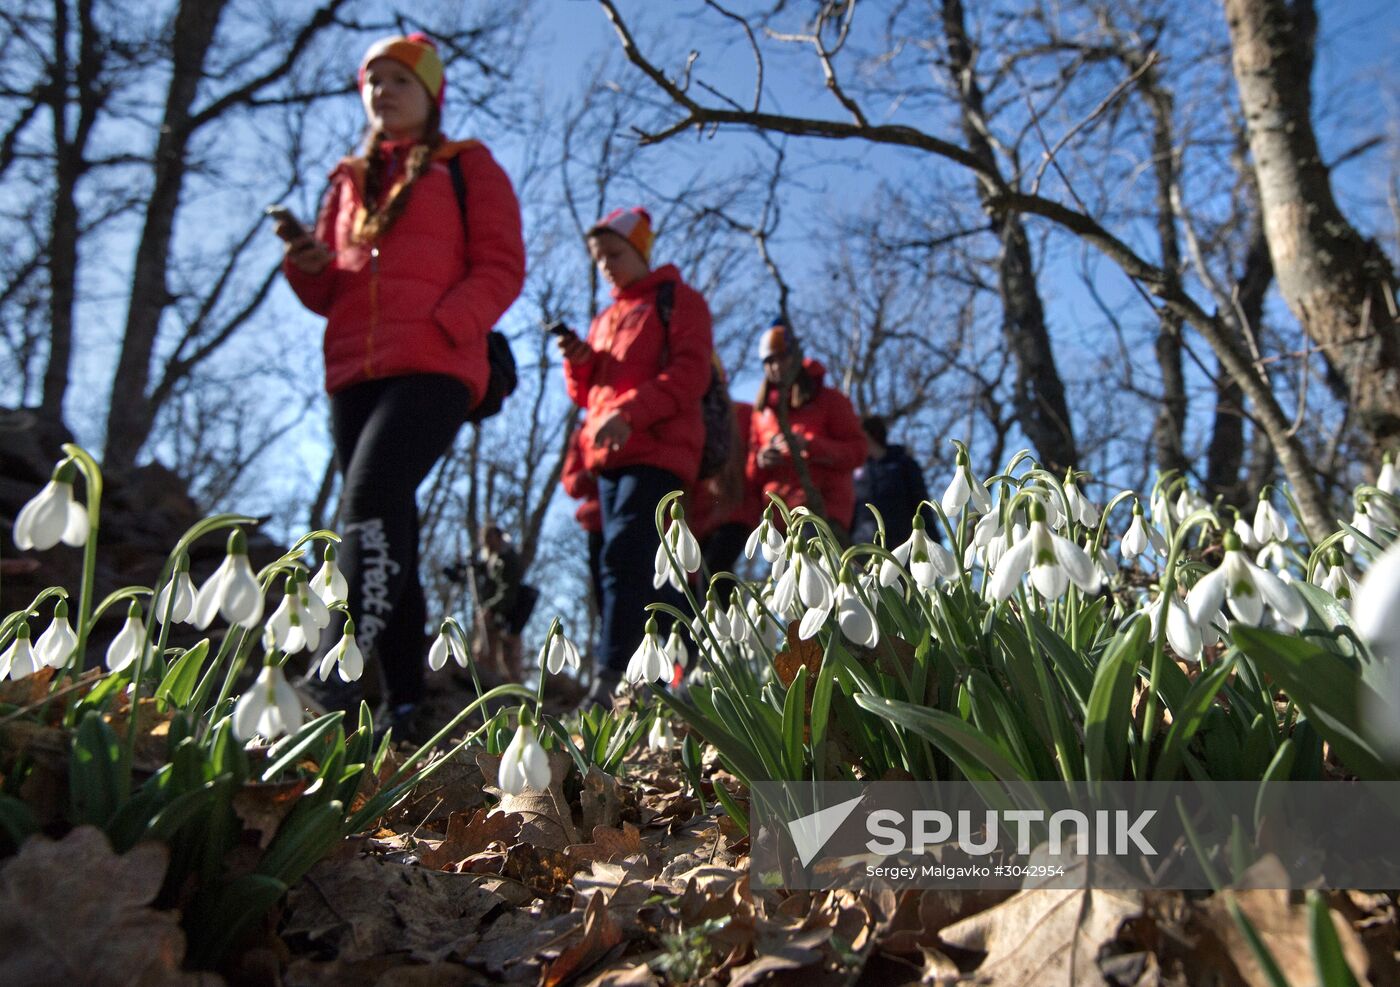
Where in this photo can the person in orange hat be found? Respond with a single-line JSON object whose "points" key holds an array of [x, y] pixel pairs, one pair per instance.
{"points": [[416, 254], [826, 432], [640, 376]]}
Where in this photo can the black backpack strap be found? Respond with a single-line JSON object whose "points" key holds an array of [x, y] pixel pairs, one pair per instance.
{"points": [[459, 187], [665, 304]]}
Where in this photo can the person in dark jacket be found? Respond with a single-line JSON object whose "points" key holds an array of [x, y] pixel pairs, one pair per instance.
{"points": [[893, 482], [499, 575], [409, 287]]}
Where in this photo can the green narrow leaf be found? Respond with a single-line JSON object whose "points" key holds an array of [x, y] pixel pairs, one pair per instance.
{"points": [[301, 742], [1108, 714], [95, 772], [1188, 717], [731, 808], [794, 719], [1328, 961], [1256, 944], [976, 755], [179, 683]]}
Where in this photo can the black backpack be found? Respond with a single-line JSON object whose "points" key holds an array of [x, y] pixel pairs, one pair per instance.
{"points": [[500, 383], [715, 409]]}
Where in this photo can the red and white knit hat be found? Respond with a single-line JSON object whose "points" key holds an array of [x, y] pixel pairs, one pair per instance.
{"points": [[418, 53], [633, 225]]}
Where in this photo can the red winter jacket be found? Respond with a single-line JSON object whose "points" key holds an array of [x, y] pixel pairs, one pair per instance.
{"points": [[581, 485], [835, 447], [728, 497], [423, 298], [627, 374]]}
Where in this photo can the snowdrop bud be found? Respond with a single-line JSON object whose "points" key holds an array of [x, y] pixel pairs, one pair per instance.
{"points": [[856, 621], [1389, 479], [126, 646], [683, 543], [57, 643], [1360, 520], [676, 652], [1080, 509], [1268, 523], [437, 654], [346, 657], [19, 659], [46, 519]]}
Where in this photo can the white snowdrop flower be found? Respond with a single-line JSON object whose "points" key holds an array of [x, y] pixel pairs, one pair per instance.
{"points": [[718, 620], [52, 515], [765, 538], [269, 709], [346, 657], [1140, 535], [446, 645], [660, 737], [329, 583], [232, 591], [1081, 509], [1105, 565], [919, 550], [675, 650], [987, 530], [815, 587], [277, 632], [180, 589], [1376, 606], [856, 621], [19, 659], [1161, 510], [682, 541], [649, 662], [1052, 561], [126, 646], [524, 764], [1246, 532], [1362, 521], [1189, 502], [1269, 524], [664, 572], [964, 488], [1389, 478], [559, 653], [1186, 638], [1333, 578], [1246, 587], [785, 592], [1272, 556], [814, 620], [58, 641], [739, 630], [315, 615]]}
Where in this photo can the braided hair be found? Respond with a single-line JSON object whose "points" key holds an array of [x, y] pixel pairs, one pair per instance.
{"points": [[380, 217]]}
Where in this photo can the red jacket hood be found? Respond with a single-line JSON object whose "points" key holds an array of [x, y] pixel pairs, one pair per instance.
{"points": [[814, 370]]}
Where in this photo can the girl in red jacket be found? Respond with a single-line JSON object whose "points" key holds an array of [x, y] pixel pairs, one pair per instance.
{"points": [[410, 282], [640, 379]]}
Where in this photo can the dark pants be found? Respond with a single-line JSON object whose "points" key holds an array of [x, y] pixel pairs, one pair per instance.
{"points": [[595, 569], [388, 434], [721, 548], [628, 498]]}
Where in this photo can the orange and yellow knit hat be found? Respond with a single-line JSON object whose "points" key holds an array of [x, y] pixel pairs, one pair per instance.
{"points": [[418, 53], [633, 225]]}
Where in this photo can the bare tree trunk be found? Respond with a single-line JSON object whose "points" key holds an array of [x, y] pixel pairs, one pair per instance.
{"points": [[1339, 285], [1039, 394], [132, 414], [68, 169], [1170, 426]]}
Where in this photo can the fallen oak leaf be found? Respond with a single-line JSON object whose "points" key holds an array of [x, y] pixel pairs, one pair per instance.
{"points": [[600, 935], [74, 912], [470, 834], [548, 819], [262, 807], [608, 844]]}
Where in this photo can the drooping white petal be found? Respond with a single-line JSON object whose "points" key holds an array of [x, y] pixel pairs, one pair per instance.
{"points": [[242, 602], [1009, 569], [41, 522], [75, 529], [1206, 597], [56, 643], [329, 583], [182, 589], [1049, 580], [1135, 541], [1183, 635], [957, 493], [812, 621], [684, 545], [1282, 597], [437, 654], [524, 764], [210, 595], [19, 659], [785, 592], [126, 645], [815, 587], [1076, 563], [855, 619]]}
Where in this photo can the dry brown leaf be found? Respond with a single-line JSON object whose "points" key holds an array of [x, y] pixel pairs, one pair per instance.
{"points": [[608, 844], [600, 935], [795, 655], [362, 908], [73, 912], [548, 820], [1045, 936], [1283, 926], [599, 801], [469, 834], [263, 807], [543, 870]]}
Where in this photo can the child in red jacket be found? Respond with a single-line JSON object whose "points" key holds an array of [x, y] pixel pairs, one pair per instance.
{"points": [[410, 283], [641, 380]]}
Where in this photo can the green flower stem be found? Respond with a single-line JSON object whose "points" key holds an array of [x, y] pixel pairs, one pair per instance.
{"points": [[450, 626], [1159, 642], [92, 476]]}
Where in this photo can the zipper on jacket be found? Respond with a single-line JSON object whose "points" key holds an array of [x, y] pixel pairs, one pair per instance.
{"points": [[373, 308]]}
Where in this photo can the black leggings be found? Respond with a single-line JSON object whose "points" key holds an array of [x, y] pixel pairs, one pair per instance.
{"points": [[388, 434]]}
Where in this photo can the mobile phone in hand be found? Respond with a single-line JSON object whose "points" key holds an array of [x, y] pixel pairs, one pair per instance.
{"points": [[288, 227], [559, 329]]}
